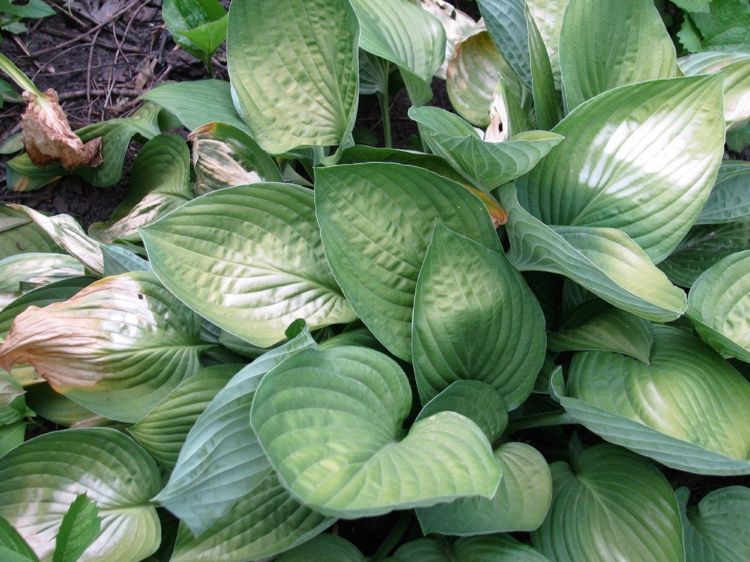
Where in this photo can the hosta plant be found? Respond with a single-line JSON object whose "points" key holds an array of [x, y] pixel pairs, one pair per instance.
{"points": [[527, 341]]}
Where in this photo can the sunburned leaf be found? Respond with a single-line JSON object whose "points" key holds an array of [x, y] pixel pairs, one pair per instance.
{"points": [[19, 234], [456, 24], [22, 272]]}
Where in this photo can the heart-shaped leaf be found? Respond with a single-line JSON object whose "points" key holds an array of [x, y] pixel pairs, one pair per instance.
{"points": [[221, 460], [254, 272], [474, 318], [294, 72], [603, 260], [41, 478], [499, 548], [730, 196], [520, 503], [641, 158], [606, 43], [485, 164], [117, 347], [719, 306], [611, 505], [330, 423], [717, 528], [376, 256], [688, 409]]}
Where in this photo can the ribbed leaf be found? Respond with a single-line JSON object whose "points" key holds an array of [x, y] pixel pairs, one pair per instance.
{"points": [[500, 548], [612, 505], [116, 347], [262, 523], [594, 326], [719, 306], [717, 529], [688, 409], [474, 318], [163, 431], [221, 460], [249, 259], [42, 477], [506, 22], [641, 158], [735, 68], [328, 547], [375, 222], [487, 165], [197, 102], [55, 407], [607, 43], [22, 272], [294, 72], [603, 260], [19, 234], [547, 104], [730, 196], [520, 503], [548, 16], [330, 423]]}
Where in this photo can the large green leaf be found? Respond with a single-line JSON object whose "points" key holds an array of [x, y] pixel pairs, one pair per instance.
{"points": [[160, 182], [162, 432], [603, 260], [730, 197], [485, 164], [688, 409], [719, 306], [611, 505], [249, 259], [375, 222], [294, 72], [608, 43], [262, 523], [641, 158], [506, 22], [117, 347], [42, 477], [735, 68], [717, 529], [221, 460], [330, 423], [55, 407], [499, 548], [520, 503], [474, 318], [328, 547], [197, 102], [11, 436]]}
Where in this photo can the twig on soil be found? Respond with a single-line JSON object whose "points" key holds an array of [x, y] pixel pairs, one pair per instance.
{"points": [[88, 69], [97, 92], [22, 46]]}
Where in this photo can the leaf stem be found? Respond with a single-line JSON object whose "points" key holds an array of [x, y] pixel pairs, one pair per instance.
{"points": [[390, 542], [17, 75], [385, 109], [540, 420]]}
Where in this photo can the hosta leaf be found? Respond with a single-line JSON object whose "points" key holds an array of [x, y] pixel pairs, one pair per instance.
{"points": [[42, 477], [719, 306], [499, 548], [330, 423], [327, 547], [606, 43], [730, 196], [12, 546], [735, 68], [506, 22], [641, 158], [262, 523], [688, 409], [402, 33], [474, 318], [594, 326], [160, 182], [473, 74], [456, 24], [221, 460], [22, 272], [611, 505], [79, 528], [19, 234], [257, 269], [11, 436], [546, 100], [475, 400], [163, 431], [197, 102], [716, 530], [12, 401], [294, 72], [376, 256], [520, 503], [118, 259], [224, 156], [548, 17], [603, 260], [55, 407], [485, 164], [116, 347]]}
